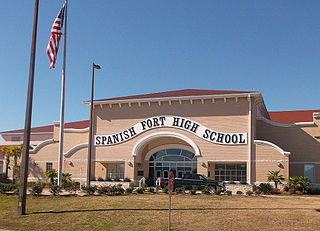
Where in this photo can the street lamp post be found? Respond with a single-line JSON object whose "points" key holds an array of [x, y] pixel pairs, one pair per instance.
{"points": [[94, 66]]}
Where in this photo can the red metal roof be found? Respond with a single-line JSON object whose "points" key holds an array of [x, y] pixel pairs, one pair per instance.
{"points": [[177, 93], [292, 116], [49, 128]]}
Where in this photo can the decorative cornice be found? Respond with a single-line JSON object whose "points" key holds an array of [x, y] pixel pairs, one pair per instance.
{"points": [[75, 149], [176, 98], [41, 145], [271, 145], [287, 125]]}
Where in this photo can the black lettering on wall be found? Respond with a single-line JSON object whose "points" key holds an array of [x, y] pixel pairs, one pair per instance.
{"points": [[132, 131], [98, 140], [206, 133], [194, 127]]}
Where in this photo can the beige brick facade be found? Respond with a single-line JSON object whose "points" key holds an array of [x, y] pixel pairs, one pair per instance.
{"points": [[270, 146]]}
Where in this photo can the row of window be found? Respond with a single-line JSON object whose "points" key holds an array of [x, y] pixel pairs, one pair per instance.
{"points": [[223, 172]]}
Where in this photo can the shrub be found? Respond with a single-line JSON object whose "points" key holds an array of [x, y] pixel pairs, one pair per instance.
{"points": [[299, 183], [131, 185], [5, 187], [55, 189], [243, 182], [100, 179], [36, 189], [249, 193], [51, 175], [178, 190], [193, 190], [257, 192], [165, 190], [239, 192], [129, 190], [265, 188], [228, 192], [117, 190], [108, 179], [116, 179], [218, 191], [286, 188], [206, 190], [150, 182], [74, 186], [144, 186], [151, 189], [126, 179], [158, 188], [4, 179], [89, 190], [140, 190], [183, 189], [292, 190], [103, 190]]}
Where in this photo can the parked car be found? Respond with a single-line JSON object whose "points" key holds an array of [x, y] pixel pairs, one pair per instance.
{"points": [[190, 179]]}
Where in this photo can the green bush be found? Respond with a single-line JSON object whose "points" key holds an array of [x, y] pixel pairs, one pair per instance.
{"points": [[150, 182], [103, 190], [218, 191], [158, 188], [151, 189], [140, 190], [178, 190], [36, 189], [5, 187], [206, 190], [55, 189], [239, 192], [257, 192], [129, 190], [193, 190], [228, 192], [4, 179], [292, 190], [89, 190], [131, 185], [165, 190], [286, 188], [265, 188], [249, 193]]}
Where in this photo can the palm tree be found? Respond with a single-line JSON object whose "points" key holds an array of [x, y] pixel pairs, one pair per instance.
{"points": [[51, 174], [12, 151], [275, 177]]}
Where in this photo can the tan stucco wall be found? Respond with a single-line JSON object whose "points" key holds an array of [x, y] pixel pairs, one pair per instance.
{"points": [[268, 159], [300, 141]]}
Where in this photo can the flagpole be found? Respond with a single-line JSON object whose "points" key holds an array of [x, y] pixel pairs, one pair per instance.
{"points": [[62, 99], [22, 198]]}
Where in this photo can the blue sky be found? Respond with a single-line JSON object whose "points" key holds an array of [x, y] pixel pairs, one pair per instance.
{"points": [[150, 46]]}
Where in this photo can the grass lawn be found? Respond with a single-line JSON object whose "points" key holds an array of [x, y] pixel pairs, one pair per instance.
{"points": [[149, 212]]}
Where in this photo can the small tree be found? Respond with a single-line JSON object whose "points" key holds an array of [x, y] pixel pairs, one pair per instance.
{"points": [[275, 177], [15, 152], [51, 175]]}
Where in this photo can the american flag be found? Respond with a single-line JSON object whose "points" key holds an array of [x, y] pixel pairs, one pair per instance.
{"points": [[56, 32]]}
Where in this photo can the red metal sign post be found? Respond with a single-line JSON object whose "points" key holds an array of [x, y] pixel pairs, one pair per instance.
{"points": [[170, 187]]}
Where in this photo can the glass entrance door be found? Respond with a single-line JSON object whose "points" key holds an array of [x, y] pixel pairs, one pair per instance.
{"points": [[179, 161]]}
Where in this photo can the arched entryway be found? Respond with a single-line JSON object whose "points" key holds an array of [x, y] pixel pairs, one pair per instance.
{"points": [[171, 158], [156, 154]]}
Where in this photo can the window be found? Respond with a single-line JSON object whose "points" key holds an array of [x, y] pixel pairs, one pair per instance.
{"points": [[115, 171], [48, 166], [178, 161], [140, 173], [15, 138], [231, 172], [309, 172]]}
